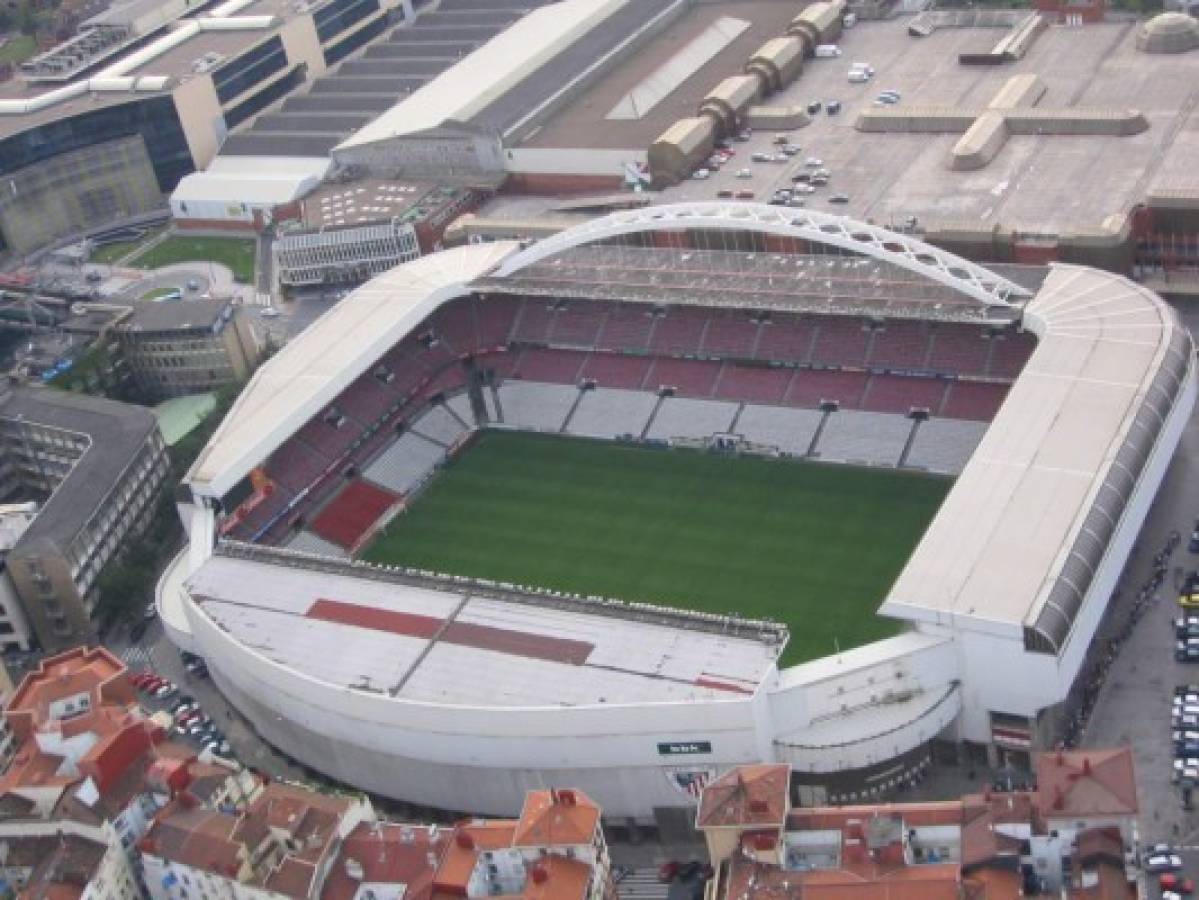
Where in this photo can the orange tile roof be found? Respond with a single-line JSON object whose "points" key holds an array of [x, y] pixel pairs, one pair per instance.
{"points": [[95, 671], [562, 879], [556, 817], [458, 859], [1082, 783], [753, 796], [388, 854]]}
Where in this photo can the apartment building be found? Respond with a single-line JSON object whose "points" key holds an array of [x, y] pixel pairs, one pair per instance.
{"points": [[1071, 837], [89, 774], [96, 467]]}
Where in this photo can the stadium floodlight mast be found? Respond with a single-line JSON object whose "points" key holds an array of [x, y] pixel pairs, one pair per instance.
{"points": [[901, 250]]}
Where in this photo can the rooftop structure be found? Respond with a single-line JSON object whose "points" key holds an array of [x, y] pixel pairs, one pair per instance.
{"points": [[1049, 433], [299, 844], [433, 643], [154, 99], [977, 846], [361, 89]]}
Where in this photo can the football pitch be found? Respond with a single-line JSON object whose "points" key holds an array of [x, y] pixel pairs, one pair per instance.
{"points": [[814, 546]]}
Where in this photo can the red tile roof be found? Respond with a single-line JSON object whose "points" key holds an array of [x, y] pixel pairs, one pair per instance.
{"points": [[753, 796], [388, 854], [556, 817], [1085, 783]]}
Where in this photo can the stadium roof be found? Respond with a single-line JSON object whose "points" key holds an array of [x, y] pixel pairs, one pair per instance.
{"points": [[486, 74], [314, 368], [448, 647], [1011, 546]]}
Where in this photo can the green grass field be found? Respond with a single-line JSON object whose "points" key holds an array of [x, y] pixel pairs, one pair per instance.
{"points": [[235, 253], [814, 546]]}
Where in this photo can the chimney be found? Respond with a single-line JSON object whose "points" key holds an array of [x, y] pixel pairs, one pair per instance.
{"points": [[566, 797], [758, 805], [464, 840], [540, 875], [1086, 765]]}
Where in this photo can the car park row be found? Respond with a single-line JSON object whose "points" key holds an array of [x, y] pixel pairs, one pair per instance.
{"points": [[188, 720]]}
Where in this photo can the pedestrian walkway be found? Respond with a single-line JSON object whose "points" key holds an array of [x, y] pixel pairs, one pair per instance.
{"points": [[641, 884], [138, 657]]}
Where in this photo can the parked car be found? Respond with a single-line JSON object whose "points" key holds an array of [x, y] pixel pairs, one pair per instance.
{"points": [[1187, 653], [814, 108], [839, 198], [804, 189], [813, 162], [796, 202], [167, 690], [744, 173], [745, 195], [743, 135], [701, 174], [832, 107], [724, 194], [781, 139], [220, 748], [1193, 543], [801, 177], [760, 157]]}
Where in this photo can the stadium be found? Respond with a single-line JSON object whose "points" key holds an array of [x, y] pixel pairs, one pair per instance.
{"points": [[676, 489]]}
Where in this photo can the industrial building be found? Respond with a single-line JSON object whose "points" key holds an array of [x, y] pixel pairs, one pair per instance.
{"points": [[102, 127], [172, 349], [96, 469], [1073, 386]]}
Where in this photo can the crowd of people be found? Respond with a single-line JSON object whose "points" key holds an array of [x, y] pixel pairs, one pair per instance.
{"points": [[1107, 649]]}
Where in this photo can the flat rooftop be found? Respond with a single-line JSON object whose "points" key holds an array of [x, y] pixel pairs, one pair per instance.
{"points": [[585, 122], [452, 647], [1036, 183], [117, 432], [995, 553], [178, 63], [360, 202]]}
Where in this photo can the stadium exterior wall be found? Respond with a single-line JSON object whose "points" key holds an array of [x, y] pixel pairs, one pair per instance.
{"points": [[1034, 682], [470, 758], [865, 706]]}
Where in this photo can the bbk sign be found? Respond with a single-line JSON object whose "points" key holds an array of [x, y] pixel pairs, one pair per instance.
{"points": [[684, 748]]}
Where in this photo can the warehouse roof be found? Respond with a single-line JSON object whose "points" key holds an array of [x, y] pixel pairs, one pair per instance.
{"points": [[1012, 544], [467, 87], [252, 180], [315, 367], [450, 646]]}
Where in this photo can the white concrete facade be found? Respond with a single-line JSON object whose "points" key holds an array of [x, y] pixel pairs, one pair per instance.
{"points": [[851, 711]]}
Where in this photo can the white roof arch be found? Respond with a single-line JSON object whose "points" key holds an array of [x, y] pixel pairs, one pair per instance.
{"points": [[902, 250]]}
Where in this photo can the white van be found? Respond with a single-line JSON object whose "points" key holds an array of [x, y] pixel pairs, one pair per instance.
{"points": [[827, 51]]}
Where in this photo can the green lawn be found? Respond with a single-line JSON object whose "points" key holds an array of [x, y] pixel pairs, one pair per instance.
{"points": [[236, 253], [159, 293], [815, 546], [18, 49]]}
